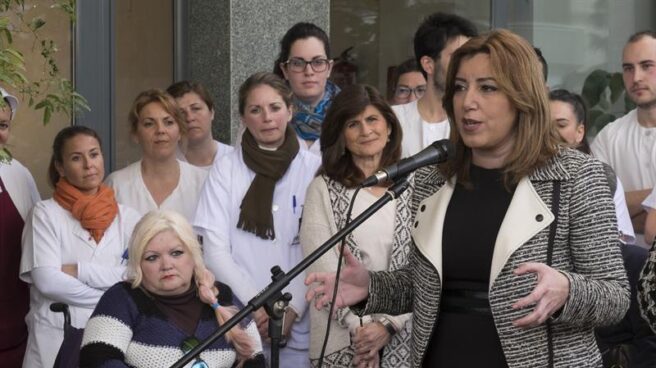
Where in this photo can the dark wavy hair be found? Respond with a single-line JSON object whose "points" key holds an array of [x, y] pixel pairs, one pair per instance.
{"points": [[61, 138], [543, 61], [580, 110], [435, 32], [337, 162], [408, 66], [299, 31]]}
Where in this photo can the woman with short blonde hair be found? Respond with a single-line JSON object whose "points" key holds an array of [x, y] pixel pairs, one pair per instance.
{"points": [[158, 180], [167, 305]]}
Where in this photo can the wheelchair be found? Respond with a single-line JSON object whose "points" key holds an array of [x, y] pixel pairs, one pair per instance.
{"points": [[69, 351]]}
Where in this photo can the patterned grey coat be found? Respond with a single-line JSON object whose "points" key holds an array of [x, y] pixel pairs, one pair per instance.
{"points": [[584, 251], [324, 213], [647, 289]]}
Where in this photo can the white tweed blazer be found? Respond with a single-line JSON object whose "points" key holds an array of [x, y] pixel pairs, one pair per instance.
{"points": [[585, 251]]}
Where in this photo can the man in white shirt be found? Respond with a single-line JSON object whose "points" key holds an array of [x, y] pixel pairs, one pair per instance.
{"points": [[628, 144], [424, 121]]}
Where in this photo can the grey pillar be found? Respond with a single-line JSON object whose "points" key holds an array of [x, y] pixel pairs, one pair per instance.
{"points": [[93, 70], [228, 40]]}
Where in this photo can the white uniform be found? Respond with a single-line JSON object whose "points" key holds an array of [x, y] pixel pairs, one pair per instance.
{"points": [[624, 225], [241, 259], [20, 186], [131, 190], [221, 150], [315, 147], [418, 133], [53, 237], [630, 149]]}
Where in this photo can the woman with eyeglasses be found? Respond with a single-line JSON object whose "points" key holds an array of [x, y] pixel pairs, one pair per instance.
{"points": [[304, 61], [167, 305], [74, 244], [198, 147], [409, 84]]}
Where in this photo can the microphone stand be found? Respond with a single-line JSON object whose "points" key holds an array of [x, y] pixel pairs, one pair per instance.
{"points": [[272, 298]]}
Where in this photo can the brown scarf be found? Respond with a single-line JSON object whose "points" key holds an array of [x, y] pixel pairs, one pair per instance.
{"points": [[269, 166], [95, 212]]}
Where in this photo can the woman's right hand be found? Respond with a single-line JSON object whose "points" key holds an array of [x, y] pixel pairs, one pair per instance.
{"points": [[367, 341], [262, 321], [353, 284]]}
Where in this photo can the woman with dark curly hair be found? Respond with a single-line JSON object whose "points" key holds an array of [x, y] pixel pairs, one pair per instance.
{"points": [[360, 136]]}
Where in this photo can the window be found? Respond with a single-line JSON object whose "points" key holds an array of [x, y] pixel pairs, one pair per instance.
{"points": [[375, 36]]}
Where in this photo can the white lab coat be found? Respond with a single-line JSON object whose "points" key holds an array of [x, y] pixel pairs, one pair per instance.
{"points": [[131, 190], [241, 259], [20, 186], [221, 150], [53, 237]]}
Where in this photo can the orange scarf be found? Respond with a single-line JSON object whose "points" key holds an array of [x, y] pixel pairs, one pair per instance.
{"points": [[95, 212]]}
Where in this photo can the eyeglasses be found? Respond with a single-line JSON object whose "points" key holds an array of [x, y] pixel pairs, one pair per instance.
{"points": [[187, 345], [298, 65], [404, 91]]}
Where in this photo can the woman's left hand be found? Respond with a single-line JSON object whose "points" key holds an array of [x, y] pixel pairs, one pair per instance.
{"points": [[360, 362], [549, 295], [70, 269], [369, 339]]}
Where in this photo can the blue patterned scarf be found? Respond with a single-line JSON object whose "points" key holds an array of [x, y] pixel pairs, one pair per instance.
{"points": [[307, 121]]}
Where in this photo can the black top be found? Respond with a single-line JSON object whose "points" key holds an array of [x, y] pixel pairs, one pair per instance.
{"points": [[471, 225], [183, 310]]}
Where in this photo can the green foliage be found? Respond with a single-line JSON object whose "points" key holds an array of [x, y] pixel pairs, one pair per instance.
{"points": [[601, 90], [50, 92], [5, 156]]}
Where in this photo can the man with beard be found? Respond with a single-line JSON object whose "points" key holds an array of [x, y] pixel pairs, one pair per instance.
{"points": [[424, 121], [628, 144]]}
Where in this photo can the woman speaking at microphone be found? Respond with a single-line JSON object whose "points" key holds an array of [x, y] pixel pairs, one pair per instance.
{"points": [[514, 259], [360, 135]]}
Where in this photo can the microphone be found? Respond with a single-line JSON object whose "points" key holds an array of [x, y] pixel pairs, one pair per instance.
{"points": [[438, 151]]}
